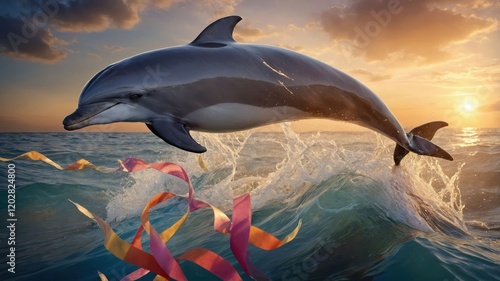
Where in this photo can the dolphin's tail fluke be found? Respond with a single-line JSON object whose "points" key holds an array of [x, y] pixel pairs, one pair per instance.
{"points": [[419, 142]]}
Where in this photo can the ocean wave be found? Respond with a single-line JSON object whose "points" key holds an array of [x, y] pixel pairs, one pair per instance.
{"points": [[418, 194]]}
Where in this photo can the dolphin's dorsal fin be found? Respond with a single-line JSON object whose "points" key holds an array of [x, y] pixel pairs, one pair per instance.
{"points": [[220, 31]]}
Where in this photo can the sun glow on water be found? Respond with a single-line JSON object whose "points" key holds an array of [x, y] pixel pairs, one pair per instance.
{"points": [[469, 137]]}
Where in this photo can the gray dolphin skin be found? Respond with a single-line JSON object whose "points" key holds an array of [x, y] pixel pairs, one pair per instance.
{"points": [[215, 84]]}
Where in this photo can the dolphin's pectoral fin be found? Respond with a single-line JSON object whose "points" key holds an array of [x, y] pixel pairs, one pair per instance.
{"points": [[420, 142], [176, 134]]}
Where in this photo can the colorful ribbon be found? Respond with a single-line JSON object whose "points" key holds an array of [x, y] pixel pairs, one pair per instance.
{"points": [[78, 165], [160, 260]]}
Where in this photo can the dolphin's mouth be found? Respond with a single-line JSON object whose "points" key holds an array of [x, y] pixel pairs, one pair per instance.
{"points": [[83, 115]]}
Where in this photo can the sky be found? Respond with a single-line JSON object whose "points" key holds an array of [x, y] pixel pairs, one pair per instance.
{"points": [[427, 60]]}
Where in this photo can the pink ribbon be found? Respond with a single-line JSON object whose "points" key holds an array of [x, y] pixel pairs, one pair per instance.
{"points": [[160, 260]]}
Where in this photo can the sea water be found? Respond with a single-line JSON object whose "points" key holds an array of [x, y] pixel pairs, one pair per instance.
{"points": [[362, 217]]}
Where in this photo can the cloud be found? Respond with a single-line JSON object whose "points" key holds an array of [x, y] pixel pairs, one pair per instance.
{"points": [[27, 27], [244, 33], [96, 15], [114, 48], [23, 40], [295, 48], [470, 4], [162, 4], [402, 30], [219, 8], [493, 107], [42, 18], [465, 76], [373, 77], [95, 56]]}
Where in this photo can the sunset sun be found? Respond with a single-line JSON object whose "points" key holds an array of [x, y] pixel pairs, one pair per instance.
{"points": [[468, 105]]}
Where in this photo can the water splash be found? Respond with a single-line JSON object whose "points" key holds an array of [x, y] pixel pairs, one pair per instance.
{"points": [[282, 167]]}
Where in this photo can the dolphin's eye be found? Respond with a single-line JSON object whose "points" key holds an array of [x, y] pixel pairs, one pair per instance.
{"points": [[135, 96]]}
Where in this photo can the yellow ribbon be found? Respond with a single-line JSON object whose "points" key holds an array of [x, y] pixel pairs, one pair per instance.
{"points": [[160, 261]]}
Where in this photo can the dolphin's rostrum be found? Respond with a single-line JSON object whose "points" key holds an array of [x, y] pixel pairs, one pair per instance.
{"points": [[215, 84]]}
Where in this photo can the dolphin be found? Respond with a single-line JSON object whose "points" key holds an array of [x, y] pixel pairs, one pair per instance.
{"points": [[215, 84]]}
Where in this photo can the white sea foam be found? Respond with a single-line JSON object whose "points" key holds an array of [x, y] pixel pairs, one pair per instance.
{"points": [[274, 168]]}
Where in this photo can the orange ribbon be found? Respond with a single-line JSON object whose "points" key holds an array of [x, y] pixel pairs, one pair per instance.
{"points": [[160, 260]]}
